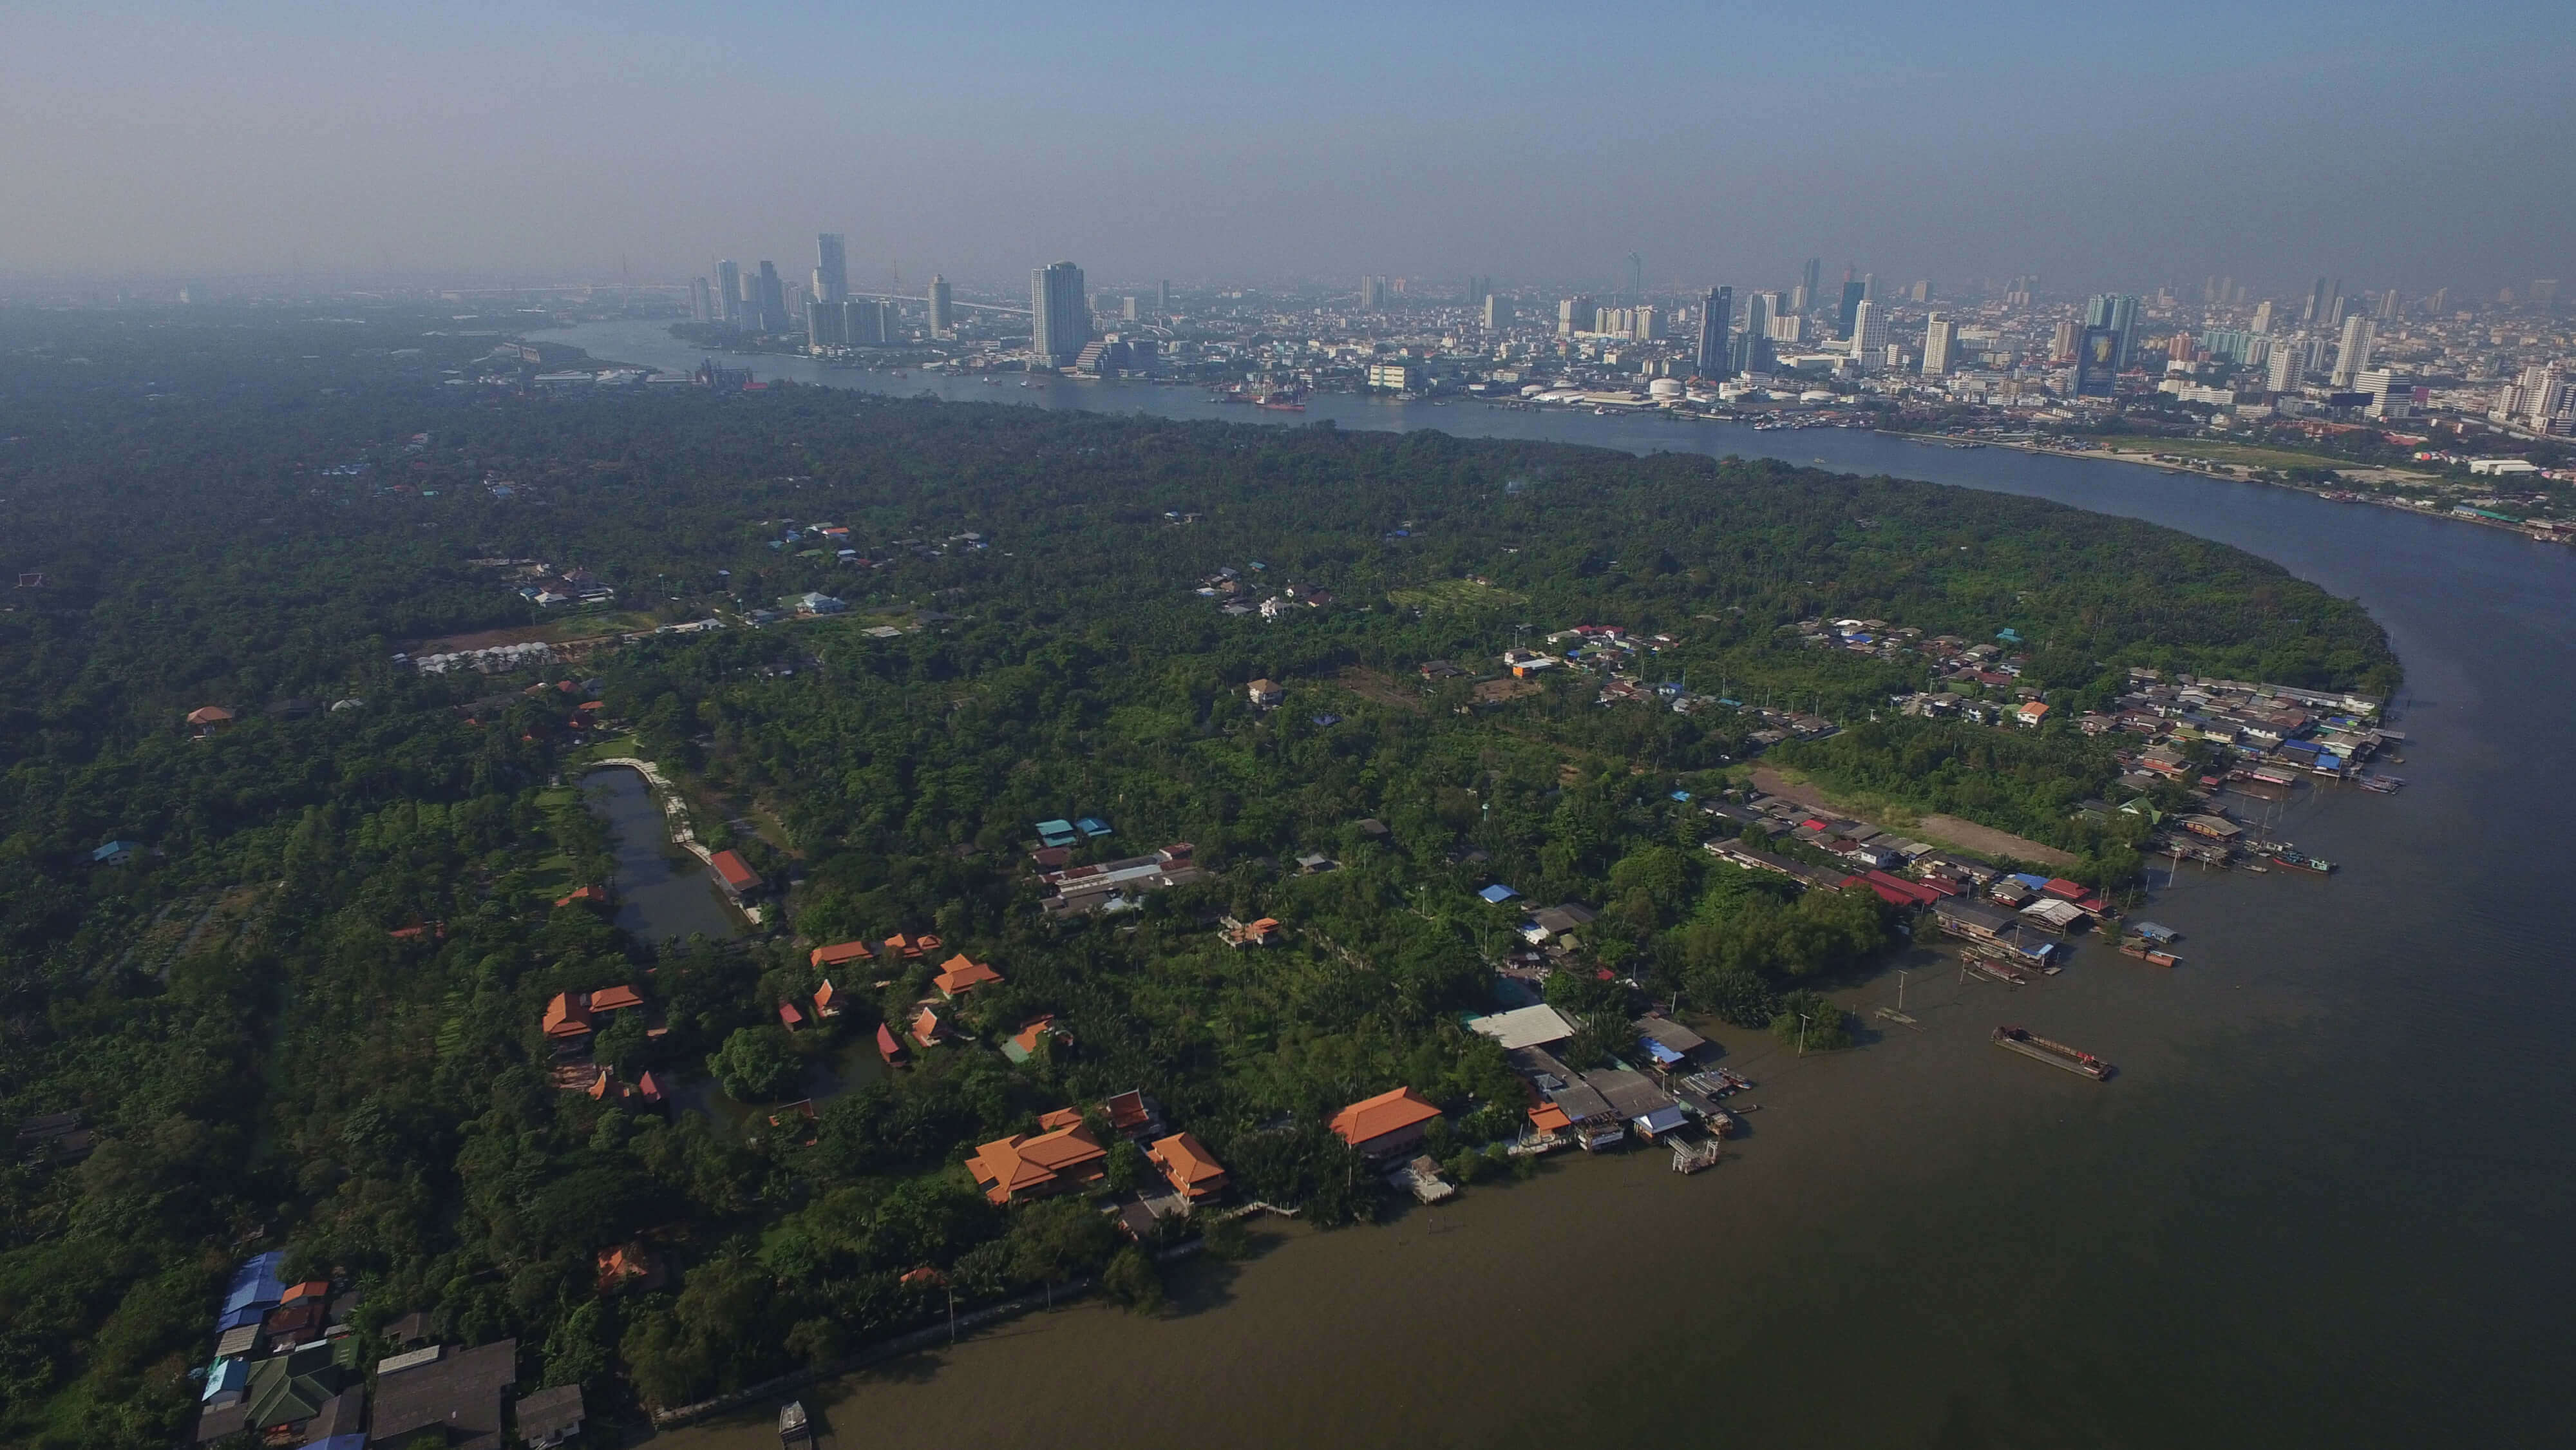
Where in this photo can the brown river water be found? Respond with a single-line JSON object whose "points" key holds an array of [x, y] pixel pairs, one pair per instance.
{"points": [[2326, 1201]]}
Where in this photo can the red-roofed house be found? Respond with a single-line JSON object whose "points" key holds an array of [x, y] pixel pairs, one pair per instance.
{"points": [[960, 974], [1133, 1114], [568, 1015], [1194, 1172], [649, 1088], [583, 896], [909, 947], [1385, 1125], [827, 1002], [789, 1017], [734, 874], [1019, 1167], [927, 1029], [889, 1046], [614, 999], [840, 952]]}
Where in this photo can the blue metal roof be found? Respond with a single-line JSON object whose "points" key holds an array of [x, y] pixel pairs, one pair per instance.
{"points": [[1498, 893]]}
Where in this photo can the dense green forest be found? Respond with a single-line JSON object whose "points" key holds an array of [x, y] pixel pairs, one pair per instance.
{"points": [[305, 1012]]}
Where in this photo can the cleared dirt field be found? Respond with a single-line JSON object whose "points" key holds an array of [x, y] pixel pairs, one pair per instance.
{"points": [[1940, 830]]}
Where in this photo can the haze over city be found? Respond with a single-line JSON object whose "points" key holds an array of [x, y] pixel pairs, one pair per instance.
{"points": [[2395, 145]]}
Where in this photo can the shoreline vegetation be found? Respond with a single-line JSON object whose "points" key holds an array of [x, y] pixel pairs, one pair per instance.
{"points": [[1152, 801]]}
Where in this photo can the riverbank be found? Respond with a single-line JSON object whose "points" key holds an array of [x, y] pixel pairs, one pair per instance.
{"points": [[652, 903], [2219, 1246]]}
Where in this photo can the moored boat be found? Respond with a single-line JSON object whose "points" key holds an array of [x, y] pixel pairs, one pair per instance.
{"points": [[2302, 861], [2055, 1054], [794, 1430]]}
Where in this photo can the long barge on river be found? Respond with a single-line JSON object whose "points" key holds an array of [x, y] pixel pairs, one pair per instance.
{"points": [[2055, 1054]]}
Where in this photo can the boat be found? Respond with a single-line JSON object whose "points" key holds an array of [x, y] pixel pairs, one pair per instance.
{"points": [[2302, 861], [2383, 784], [793, 1428], [1997, 970], [1284, 407], [2149, 953], [2055, 1054]]}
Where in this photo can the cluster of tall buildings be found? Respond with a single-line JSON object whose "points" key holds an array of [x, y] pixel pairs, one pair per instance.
{"points": [[755, 301]]}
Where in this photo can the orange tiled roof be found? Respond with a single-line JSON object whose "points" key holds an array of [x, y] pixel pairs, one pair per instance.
{"points": [[649, 1088], [1127, 1110], [961, 973], [1027, 1167], [567, 1015], [1188, 1164], [310, 1288], [1060, 1118], [1027, 1037], [615, 999], [926, 1026], [839, 952], [912, 946], [1388, 1112], [1549, 1118], [827, 1002]]}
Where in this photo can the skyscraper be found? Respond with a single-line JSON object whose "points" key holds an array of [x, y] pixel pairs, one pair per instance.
{"points": [[1869, 333], [2352, 353], [1855, 292], [1576, 314], [831, 269], [1753, 344], [2119, 313], [771, 299], [2097, 362], [1497, 313], [940, 323], [1059, 317], [2062, 344], [2389, 302], [2263, 318], [825, 324], [728, 294], [1811, 284], [1163, 299], [702, 301], [2288, 365], [1921, 291], [1940, 344], [2315, 315], [1715, 359], [1372, 294]]}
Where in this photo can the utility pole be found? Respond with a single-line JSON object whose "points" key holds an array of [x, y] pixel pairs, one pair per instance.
{"points": [[1802, 1034]]}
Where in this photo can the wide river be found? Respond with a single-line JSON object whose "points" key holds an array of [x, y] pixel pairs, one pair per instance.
{"points": [[2330, 1199]]}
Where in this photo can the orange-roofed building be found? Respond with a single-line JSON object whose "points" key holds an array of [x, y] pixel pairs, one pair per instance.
{"points": [[583, 896], [889, 1046], [839, 952], [959, 975], [614, 999], [1060, 1118], [649, 1088], [734, 873], [927, 1029], [627, 1265], [909, 947], [1385, 1125], [827, 1002], [923, 1275], [1194, 1172], [1133, 1114], [207, 718], [1022, 1045], [1018, 1167], [1549, 1118], [789, 1017], [309, 1289], [568, 1015]]}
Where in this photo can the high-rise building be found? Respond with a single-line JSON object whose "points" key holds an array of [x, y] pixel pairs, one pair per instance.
{"points": [[1577, 313], [2315, 314], [826, 325], [728, 294], [831, 269], [2119, 313], [1714, 358], [1811, 284], [2097, 362], [1855, 292], [2352, 352], [1920, 292], [1752, 347], [772, 299], [1869, 287], [941, 323], [2288, 365], [1940, 345], [1163, 299], [1372, 294], [702, 301], [1059, 318], [2388, 305], [2334, 304], [1498, 313], [2263, 318], [1869, 332], [2062, 344]]}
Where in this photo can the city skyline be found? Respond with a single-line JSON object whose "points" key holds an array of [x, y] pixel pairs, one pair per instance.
{"points": [[286, 142]]}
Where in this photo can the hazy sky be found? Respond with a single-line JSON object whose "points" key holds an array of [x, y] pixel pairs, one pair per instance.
{"points": [[2410, 145]]}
